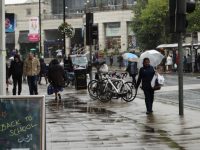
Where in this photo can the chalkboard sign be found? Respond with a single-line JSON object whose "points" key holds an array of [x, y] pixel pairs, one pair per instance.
{"points": [[22, 123]]}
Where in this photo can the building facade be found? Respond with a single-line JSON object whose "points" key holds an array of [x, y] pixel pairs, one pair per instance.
{"points": [[112, 19]]}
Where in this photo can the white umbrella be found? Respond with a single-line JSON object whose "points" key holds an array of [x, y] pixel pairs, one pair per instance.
{"points": [[11, 58], [59, 50], [154, 56]]}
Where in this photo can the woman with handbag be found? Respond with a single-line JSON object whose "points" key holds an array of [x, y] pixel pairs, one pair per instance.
{"points": [[146, 74], [56, 77]]}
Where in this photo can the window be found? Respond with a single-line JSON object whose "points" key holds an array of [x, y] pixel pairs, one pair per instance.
{"points": [[28, 12]]}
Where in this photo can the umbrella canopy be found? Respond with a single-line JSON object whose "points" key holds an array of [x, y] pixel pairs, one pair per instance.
{"points": [[154, 56], [128, 56], [11, 58], [58, 50]]}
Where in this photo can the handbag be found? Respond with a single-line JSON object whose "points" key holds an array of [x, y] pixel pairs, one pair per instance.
{"points": [[50, 89]]}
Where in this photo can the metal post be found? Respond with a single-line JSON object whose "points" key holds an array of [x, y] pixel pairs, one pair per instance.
{"points": [[64, 38], [40, 29], [192, 53], [180, 74], [2, 49]]}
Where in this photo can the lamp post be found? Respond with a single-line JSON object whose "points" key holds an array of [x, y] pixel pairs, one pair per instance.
{"points": [[2, 49], [40, 30], [64, 38]]}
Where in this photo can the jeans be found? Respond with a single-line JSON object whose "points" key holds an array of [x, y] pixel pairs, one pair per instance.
{"points": [[32, 83], [149, 97], [17, 81]]}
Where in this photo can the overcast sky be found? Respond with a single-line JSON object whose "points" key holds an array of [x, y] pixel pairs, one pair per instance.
{"points": [[14, 1]]}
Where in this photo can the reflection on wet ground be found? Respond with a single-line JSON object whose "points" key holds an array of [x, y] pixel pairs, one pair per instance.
{"points": [[74, 122]]}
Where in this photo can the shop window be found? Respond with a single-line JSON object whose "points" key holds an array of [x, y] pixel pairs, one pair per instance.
{"points": [[28, 12]]}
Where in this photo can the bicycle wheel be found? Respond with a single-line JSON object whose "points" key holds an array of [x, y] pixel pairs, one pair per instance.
{"points": [[117, 84], [92, 89], [130, 91], [103, 91]]}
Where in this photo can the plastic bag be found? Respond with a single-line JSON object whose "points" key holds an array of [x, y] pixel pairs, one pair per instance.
{"points": [[157, 81], [161, 79], [50, 89], [103, 68]]}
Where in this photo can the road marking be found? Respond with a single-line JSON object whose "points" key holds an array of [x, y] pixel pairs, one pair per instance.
{"points": [[185, 87]]}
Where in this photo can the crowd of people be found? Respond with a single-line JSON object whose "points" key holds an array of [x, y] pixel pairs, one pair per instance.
{"points": [[34, 69]]}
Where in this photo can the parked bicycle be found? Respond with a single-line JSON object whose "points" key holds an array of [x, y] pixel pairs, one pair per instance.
{"points": [[111, 85]]}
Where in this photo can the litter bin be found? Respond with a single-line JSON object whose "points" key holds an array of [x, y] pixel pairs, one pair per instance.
{"points": [[80, 79]]}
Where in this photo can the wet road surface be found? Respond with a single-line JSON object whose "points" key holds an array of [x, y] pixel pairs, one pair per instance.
{"points": [[80, 123]]}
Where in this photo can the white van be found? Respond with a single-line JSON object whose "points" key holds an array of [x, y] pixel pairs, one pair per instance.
{"points": [[79, 61]]}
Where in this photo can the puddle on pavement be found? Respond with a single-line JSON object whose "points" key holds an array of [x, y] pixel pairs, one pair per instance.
{"points": [[73, 104]]}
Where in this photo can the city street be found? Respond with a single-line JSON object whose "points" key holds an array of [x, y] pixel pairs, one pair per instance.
{"points": [[81, 123]]}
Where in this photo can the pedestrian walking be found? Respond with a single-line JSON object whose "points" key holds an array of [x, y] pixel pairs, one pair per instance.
{"points": [[169, 63], [56, 77], [198, 62], [132, 70], [31, 69], [7, 77], [43, 71], [189, 63], [184, 64], [120, 61], [111, 60], [146, 74], [16, 71]]}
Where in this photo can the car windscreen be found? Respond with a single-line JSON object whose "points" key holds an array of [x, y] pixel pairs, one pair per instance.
{"points": [[79, 60]]}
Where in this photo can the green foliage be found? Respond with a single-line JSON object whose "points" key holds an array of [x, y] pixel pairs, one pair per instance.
{"points": [[66, 29], [194, 20], [149, 23]]}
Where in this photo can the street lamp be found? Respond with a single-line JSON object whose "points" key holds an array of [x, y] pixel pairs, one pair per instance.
{"points": [[40, 30], [64, 44]]}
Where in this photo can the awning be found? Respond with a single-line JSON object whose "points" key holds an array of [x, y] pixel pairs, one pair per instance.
{"points": [[10, 38], [23, 37], [175, 45]]}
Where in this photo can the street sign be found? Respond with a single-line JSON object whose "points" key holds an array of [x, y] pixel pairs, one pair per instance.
{"points": [[22, 122]]}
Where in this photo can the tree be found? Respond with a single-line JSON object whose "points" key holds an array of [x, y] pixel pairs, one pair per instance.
{"points": [[194, 20], [149, 23]]}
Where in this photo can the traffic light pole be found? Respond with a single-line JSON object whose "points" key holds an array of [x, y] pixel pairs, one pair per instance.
{"points": [[180, 74]]}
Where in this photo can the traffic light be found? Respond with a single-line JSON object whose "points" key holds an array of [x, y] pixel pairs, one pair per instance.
{"points": [[172, 15], [190, 6], [177, 14], [180, 16], [89, 23]]}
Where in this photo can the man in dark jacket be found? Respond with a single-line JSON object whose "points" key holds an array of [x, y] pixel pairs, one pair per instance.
{"points": [[43, 71], [16, 71]]}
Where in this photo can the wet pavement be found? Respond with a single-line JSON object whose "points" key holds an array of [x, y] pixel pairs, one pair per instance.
{"points": [[80, 123]]}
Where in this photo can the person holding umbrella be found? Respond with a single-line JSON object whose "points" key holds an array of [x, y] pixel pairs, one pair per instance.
{"points": [[146, 74], [132, 68]]}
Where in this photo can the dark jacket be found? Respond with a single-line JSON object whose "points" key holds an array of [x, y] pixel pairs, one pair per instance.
{"points": [[43, 67], [16, 69], [145, 75], [132, 68], [56, 75]]}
